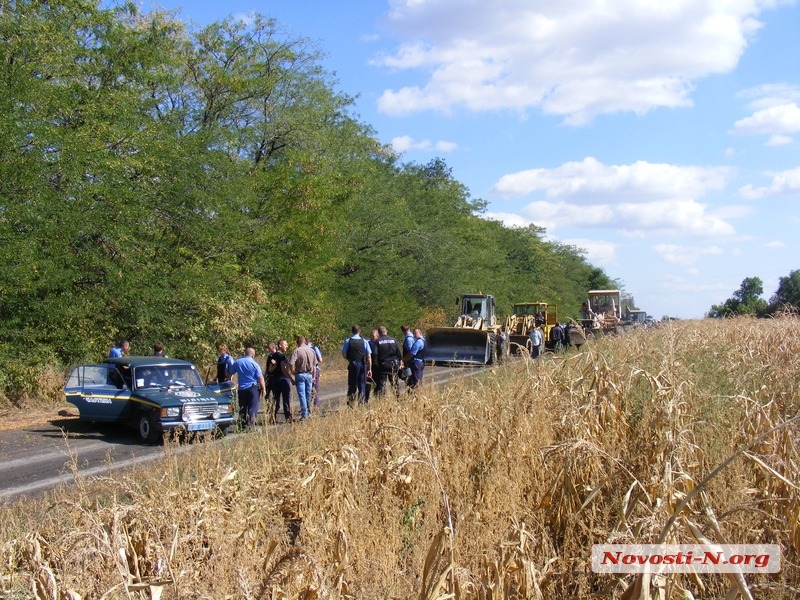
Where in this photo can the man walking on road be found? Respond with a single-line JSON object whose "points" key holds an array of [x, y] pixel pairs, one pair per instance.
{"points": [[303, 362], [359, 366], [251, 386]]}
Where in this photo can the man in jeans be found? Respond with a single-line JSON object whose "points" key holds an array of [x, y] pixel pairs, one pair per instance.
{"points": [[303, 362]]}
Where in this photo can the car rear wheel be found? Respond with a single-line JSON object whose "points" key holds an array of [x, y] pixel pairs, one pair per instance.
{"points": [[147, 428]]}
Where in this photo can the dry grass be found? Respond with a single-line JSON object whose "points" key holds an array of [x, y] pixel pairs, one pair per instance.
{"points": [[493, 488]]}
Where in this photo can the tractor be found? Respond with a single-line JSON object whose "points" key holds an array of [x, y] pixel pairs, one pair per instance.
{"points": [[600, 314], [471, 340], [520, 323], [635, 318]]}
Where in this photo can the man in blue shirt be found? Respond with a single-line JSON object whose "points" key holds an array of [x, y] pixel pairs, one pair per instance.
{"points": [[251, 386], [119, 350], [359, 366], [408, 338], [536, 342], [224, 364], [415, 359]]}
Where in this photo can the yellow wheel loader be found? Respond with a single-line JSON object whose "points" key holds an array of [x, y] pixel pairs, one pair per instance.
{"points": [[524, 316], [471, 341]]}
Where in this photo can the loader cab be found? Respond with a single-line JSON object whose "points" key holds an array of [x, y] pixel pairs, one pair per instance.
{"points": [[530, 308], [606, 303], [478, 306], [635, 317]]}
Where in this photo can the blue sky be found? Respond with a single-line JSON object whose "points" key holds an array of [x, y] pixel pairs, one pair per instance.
{"points": [[663, 137]]}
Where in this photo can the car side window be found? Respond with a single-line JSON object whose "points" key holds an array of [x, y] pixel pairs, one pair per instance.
{"points": [[115, 379], [124, 372]]}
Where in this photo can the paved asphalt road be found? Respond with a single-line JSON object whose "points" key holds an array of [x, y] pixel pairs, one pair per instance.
{"points": [[36, 458]]}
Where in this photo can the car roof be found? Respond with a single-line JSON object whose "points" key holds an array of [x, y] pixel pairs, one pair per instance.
{"points": [[149, 361]]}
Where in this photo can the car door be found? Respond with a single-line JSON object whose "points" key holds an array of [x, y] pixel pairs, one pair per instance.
{"points": [[98, 392]]}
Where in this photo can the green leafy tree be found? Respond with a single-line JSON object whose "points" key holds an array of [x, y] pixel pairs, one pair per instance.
{"points": [[746, 300], [788, 292], [195, 187]]}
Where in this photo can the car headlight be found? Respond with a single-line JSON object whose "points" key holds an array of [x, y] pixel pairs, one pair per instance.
{"points": [[172, 411], [224, 408]]}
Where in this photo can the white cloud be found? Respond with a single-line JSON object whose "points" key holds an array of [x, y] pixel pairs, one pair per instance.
{"points": [[598, 252], [775, 245], [783, 183], [685, 256], [773, 120], [779, 140], [770, 95], [590, 180], [572, 59], [732, 211], [673, 217], [444, 146], [635, 199], [508, 219], [404, 143]]}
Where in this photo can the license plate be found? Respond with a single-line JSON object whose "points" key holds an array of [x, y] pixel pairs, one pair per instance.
{"points": [[199, 426]]}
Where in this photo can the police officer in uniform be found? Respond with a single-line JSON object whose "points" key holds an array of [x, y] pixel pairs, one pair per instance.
{"points": [[359, 366], [387, 362]]}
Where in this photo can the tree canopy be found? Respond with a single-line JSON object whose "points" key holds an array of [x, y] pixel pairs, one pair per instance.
{"points": [[197, 187], [747, 299]]}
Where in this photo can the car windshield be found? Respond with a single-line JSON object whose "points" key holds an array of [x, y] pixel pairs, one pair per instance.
{"points": [[166, 376]]}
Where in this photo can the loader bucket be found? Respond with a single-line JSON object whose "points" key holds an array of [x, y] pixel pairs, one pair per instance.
{"points": [[459, 345], [520, 344]]}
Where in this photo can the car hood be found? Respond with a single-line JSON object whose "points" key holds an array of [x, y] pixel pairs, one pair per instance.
{"points": [[177, 396]]}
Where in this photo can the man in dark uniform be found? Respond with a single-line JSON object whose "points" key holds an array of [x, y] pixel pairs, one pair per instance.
{"points": [[387, 362], [282, 381], [557, 337], [359, 366]]}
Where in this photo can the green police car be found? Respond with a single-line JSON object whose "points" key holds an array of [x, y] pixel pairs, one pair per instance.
{"points": [[152, 394]]}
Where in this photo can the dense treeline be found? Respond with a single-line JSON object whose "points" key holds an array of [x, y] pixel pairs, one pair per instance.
{"points": [[161, 183], [747, 299]]}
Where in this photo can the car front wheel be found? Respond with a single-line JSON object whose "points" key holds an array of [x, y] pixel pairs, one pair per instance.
{"points": [[147, 428]]}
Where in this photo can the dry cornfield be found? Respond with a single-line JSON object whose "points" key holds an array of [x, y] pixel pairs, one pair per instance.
{"points": [[495, 487]]}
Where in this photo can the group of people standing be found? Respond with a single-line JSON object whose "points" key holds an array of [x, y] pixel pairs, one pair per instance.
{"points": [[380, 360], [300, 369], [383, 361], [559, 339]]}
